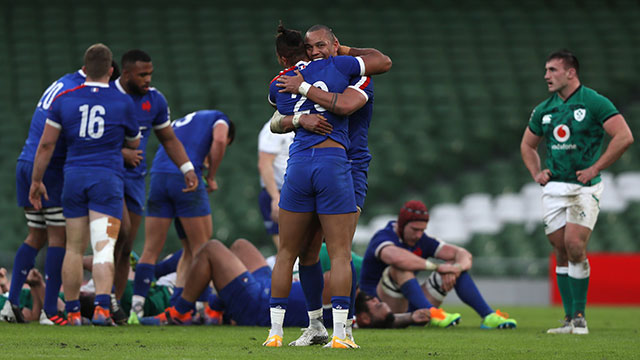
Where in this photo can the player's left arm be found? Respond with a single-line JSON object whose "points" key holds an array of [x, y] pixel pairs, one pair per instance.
{"points": [[43, 157], [621, 139], [216, 153], [457, 259], [375, 61], [417, 317], [178, 155]]}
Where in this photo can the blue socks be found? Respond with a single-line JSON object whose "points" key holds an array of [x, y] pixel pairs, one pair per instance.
{"points": [[24, 261], [340, 302], [204, 297], [103, 300], [168, 265], [72, 306], [183, 306], [53, 276], [413, 292], [175, 296], [279, 303], [215, 303], [143, 279], [469, 294], [312, 283]]}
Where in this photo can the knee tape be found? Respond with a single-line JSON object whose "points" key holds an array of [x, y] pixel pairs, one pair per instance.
{"points": [[35, 219], [102, 242], [390, 286], [434, 286], [54, 217], [579, 270]]}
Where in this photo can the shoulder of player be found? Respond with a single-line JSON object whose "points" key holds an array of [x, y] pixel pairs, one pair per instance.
{"points": [[283, 72]]}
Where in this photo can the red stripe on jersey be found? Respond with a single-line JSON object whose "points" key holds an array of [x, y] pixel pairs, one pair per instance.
{"points": [[366, 83], [282, 73], [68, 91]]}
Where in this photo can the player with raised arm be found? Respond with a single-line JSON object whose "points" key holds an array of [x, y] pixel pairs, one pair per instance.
{"points": [[94, 119], [573, 121], [318, 181], [399, 251], [204, 134]]}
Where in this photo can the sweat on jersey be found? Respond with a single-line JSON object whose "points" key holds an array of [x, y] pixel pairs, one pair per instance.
{"points": [[332, 75], [195, 132], [373, 266], [68, 81], [574, 131], [94, 119]]}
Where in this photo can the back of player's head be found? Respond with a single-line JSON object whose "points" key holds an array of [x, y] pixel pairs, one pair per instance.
{"points": [[97, 61], [567, 57], [325, 28], [413, 210], [289, 44], [232, 132], [132, 56]]}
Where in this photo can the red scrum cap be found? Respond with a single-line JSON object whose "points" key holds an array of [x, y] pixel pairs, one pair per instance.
{"points": [[413, 210]]}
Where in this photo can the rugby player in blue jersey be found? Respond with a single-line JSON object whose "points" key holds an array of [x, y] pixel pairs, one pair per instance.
{"points": [[151, 112], [94, 119], [204, 134], [318, 180]]}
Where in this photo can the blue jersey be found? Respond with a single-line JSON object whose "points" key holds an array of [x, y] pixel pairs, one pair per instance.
{"points": [[69, 81], [332, 75], [359, 121], [195, 131], [95, 119], [372, 266], [150, 111]]}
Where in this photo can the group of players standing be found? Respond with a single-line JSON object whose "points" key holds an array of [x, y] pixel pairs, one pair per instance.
{"points": [[325, 94]]}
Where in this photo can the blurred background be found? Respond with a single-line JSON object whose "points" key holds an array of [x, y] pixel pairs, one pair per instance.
{"points": [[448, 117]]}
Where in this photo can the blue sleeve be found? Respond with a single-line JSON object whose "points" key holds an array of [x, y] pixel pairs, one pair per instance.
{"points": [[273, 93], [53, 113], [349, 65], [163, 114], [131, 127], [364, 84], [220, 116], [429, 246]]}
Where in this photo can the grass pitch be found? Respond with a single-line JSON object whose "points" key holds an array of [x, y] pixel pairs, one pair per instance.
{"points": [[614, 335]]}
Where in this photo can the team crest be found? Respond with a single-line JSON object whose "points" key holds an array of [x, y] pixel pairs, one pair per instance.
{"points": [[561, 133], [579, 114], [546, 119]]}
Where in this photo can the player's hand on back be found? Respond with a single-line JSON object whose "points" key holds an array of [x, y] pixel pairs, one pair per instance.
{"points": [[36, 192], [132, 157], [290, 84], [191, 180], [316, 123]]}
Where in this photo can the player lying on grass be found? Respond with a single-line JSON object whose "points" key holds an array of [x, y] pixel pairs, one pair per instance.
{"points": [[31, 298], [399, 251]]}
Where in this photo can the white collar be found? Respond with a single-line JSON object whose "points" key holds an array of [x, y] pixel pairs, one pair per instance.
{"points": [[96, 84]]}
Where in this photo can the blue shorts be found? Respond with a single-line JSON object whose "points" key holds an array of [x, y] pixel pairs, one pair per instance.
{"points": [[264, 200], [134, 195], [53, 180], [247, 298], [166, 199], [318, 180], [360, 185], [96, 189]]}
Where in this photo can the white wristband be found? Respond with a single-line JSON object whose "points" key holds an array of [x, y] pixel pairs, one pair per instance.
{"points": [[186, 167], [304, 88], [429, 265], [296, 120], [276, 123]]}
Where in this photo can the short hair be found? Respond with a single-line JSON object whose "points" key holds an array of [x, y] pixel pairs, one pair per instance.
{"points": [[289, 43], [132, 56], [332, 36], [569, 59], [97, 60], [361, 307], [232, 132]]}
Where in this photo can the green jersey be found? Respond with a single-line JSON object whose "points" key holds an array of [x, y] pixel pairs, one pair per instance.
{"points": [[574, 131], [326, 263]]}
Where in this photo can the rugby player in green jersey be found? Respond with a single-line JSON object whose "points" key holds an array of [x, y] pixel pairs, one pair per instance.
{"points": [[573, 122]]}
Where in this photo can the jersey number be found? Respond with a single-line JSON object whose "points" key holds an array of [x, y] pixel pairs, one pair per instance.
{"points": [[187, 119], [319, 84], [92, 122], [49, 95]]}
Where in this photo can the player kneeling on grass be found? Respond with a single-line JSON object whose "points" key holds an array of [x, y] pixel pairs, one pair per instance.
{"points": [[399, 251]]}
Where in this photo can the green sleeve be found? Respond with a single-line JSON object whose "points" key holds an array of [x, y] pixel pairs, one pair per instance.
{"points": [[535, 122], [603, 108], [25, 298], [324, 258]]}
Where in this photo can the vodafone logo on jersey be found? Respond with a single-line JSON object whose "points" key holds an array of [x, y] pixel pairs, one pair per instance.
{"points": [[561, 133]]}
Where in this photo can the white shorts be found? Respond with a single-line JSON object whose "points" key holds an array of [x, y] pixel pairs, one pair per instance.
{"points": [[573, 203]]}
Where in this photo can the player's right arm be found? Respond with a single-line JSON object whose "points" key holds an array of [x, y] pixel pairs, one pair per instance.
{"points": [[178, 155], [403, 259], [375, 61], [417, 317], [529, 152]]}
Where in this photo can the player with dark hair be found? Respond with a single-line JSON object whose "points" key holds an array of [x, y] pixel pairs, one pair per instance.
{"points": [[151, 112], [573, 121], [318, 181], [95, 119], [399, 251], [205, 134]]}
